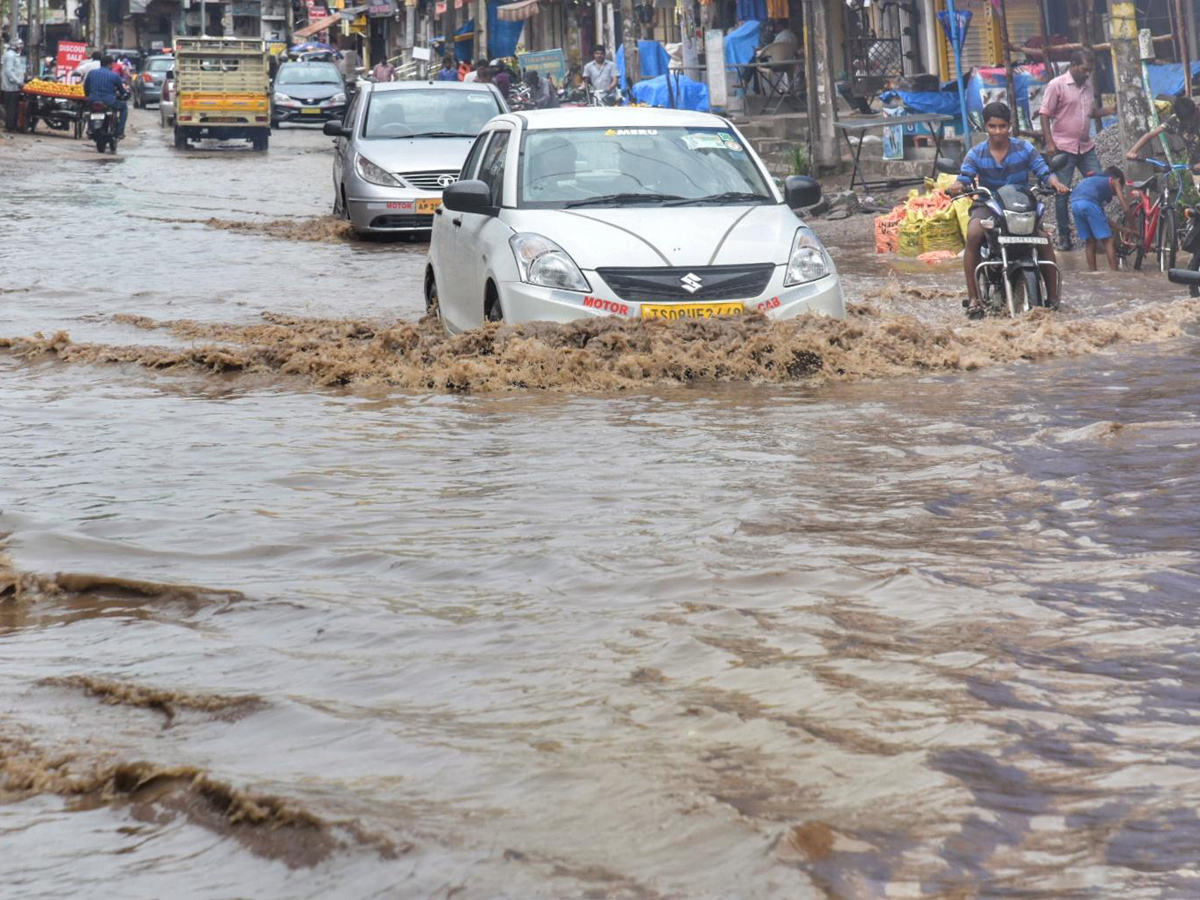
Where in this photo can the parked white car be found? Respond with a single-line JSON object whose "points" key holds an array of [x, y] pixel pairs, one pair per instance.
{"points": [[564, 214]]}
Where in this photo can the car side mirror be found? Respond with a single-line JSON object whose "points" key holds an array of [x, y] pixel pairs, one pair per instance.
{"points": [[944, 165], [336, 129], [469, 197], [800, 190]]}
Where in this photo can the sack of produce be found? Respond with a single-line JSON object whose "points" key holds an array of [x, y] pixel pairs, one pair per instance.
{"points": [[941, 232], [909, 239], [962, 209], [887, 227]]}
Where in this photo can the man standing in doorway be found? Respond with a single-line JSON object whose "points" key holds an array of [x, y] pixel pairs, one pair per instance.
{"points": [[601, 73], [1068, 107], [12, 76]]}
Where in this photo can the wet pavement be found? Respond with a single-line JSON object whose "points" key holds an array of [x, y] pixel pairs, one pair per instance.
{"points": [[916, 622]]}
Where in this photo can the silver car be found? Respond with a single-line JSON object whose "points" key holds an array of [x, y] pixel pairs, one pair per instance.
{"points": [[399, 145]]}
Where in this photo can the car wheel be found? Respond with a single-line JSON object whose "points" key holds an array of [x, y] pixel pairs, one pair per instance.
{"points": [[492, 310], [432, 307]]}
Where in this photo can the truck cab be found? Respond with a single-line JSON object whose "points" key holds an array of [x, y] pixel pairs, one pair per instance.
{"points": [[222, 90]]}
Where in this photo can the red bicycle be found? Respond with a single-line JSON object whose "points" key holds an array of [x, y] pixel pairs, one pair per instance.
{"points": [[1153, 226]]}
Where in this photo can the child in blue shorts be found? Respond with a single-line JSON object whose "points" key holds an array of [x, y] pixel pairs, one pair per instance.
{"points": [[1088, 200]]}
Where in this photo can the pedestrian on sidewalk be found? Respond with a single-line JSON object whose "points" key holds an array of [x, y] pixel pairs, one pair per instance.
{"points": [[1068, 108], [12, 76]]}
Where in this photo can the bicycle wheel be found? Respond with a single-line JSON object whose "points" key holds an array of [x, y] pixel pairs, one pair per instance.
{"points": [[1139, 233], [1167, 240]]}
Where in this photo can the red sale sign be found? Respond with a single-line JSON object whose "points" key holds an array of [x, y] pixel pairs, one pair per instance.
{"points": [[70, 55]]}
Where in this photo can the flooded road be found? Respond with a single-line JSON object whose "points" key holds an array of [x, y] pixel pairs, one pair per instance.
{"points": [[918, 621]]}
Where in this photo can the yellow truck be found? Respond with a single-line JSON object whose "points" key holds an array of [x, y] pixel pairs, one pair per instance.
{"points": [[222, 90]]}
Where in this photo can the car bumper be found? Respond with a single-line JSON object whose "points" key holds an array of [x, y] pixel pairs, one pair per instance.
{"points": [[526, 302], [387, 211], [152, 95], [295, 115]]}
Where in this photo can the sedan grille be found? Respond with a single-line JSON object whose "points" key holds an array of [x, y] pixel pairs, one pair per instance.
{"points": [[402, 222], [679, 283], [428, 181]]}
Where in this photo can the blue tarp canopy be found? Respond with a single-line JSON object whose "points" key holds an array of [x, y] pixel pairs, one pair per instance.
{"points": [[653, 60], [674, 92], [502, 36], [1168, 78]]}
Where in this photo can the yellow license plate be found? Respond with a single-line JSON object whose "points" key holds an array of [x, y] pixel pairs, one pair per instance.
{"points": [[691, 310], [310, 110], [428, 206]]}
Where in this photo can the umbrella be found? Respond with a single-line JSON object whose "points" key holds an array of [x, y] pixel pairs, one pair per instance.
{"points": [[309, 46]]}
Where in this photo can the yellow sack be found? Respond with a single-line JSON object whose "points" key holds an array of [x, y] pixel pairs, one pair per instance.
{"points": [[909, 239], [941, 233], [944, 180]]}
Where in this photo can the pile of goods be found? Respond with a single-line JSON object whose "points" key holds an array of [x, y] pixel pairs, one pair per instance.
{"points": [[54, 89], [928, 226]]}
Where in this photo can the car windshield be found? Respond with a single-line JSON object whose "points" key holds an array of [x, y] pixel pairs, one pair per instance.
{"points": [[609, 167], [309, 73], [160, 65], [428, 112]]}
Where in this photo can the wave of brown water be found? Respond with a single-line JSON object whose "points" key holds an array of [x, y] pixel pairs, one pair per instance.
{"points": [[314, 228], [616, 354]]}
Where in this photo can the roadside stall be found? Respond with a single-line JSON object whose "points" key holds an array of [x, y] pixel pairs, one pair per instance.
{"points": [[60, 106]]}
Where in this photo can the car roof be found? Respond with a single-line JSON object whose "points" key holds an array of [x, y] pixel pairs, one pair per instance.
{"points": [[308, 62], [618, 117], [437, 85]]}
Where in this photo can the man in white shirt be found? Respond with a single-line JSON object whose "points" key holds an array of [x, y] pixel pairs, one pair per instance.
{"points": [[12, 76], [83, 68], [601, 73]]}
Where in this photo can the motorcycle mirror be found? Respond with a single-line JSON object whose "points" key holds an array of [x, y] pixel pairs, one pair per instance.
{"points": [[1059, 161], [1184, 276], [946, 166]]}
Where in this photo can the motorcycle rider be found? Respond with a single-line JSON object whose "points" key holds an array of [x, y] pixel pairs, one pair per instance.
{"points": [[103, 85], [1000, 160], [601, 73]]}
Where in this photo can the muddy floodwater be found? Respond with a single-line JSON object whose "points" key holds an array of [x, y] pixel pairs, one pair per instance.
{"points": [[301, 599]]}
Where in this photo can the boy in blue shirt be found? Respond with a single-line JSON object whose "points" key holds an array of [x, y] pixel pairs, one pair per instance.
{"points": [[1088, 200]]}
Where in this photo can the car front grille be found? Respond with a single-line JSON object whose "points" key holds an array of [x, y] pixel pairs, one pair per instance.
{"points": [[402, 222], [428, 181], [673, 282]]}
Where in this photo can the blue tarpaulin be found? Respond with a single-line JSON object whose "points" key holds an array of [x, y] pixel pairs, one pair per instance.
{"points": [[740, 43], [502, 36], [653, 60], [751, 9], [683, 93], [1168, 78]]}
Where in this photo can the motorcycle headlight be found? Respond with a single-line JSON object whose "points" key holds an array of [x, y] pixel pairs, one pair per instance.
{"points": [[808, 260], [1020, 222], [542, 262], [368, 171], [282, 98]]}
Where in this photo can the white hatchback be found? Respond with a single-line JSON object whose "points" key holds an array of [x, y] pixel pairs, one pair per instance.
{"points": [[645, 213]]}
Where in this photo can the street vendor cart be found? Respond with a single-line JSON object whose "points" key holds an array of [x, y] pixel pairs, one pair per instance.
{"points": [[60, 106]]}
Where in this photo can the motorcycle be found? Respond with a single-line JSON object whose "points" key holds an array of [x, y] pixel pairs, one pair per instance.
{"points": [[1010, 274], [103, 124]]}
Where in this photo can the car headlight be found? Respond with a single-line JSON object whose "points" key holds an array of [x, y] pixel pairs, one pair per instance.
{"points": [[543, 262], [808, 260], [283, 98], [337, 98], [368, 171]]}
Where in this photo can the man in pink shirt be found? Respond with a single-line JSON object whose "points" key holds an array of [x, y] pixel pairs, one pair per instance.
{"points": [[1068, 107]]}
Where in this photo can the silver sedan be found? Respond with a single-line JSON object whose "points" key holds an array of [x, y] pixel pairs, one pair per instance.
{"points": [[399, 145]]}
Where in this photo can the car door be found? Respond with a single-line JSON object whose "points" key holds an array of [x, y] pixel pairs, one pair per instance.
{"points": [[444, 249], [477, 232], [343, 148]]}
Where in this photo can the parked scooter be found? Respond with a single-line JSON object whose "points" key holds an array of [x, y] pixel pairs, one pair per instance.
{"points": [[1010, 274]]}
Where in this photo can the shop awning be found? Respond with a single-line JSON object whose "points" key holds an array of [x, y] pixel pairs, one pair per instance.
{"points": [[319, 25], [519, 11]]}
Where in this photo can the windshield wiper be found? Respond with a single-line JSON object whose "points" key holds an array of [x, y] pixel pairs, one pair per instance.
{"points": [[442, 134], [725, 197], [622, 199]]}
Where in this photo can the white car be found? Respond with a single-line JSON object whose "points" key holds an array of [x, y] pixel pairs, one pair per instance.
{"points": [[565, 214]]}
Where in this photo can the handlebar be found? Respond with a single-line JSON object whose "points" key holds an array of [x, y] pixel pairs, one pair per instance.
{"points": [[1176, 167]]}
